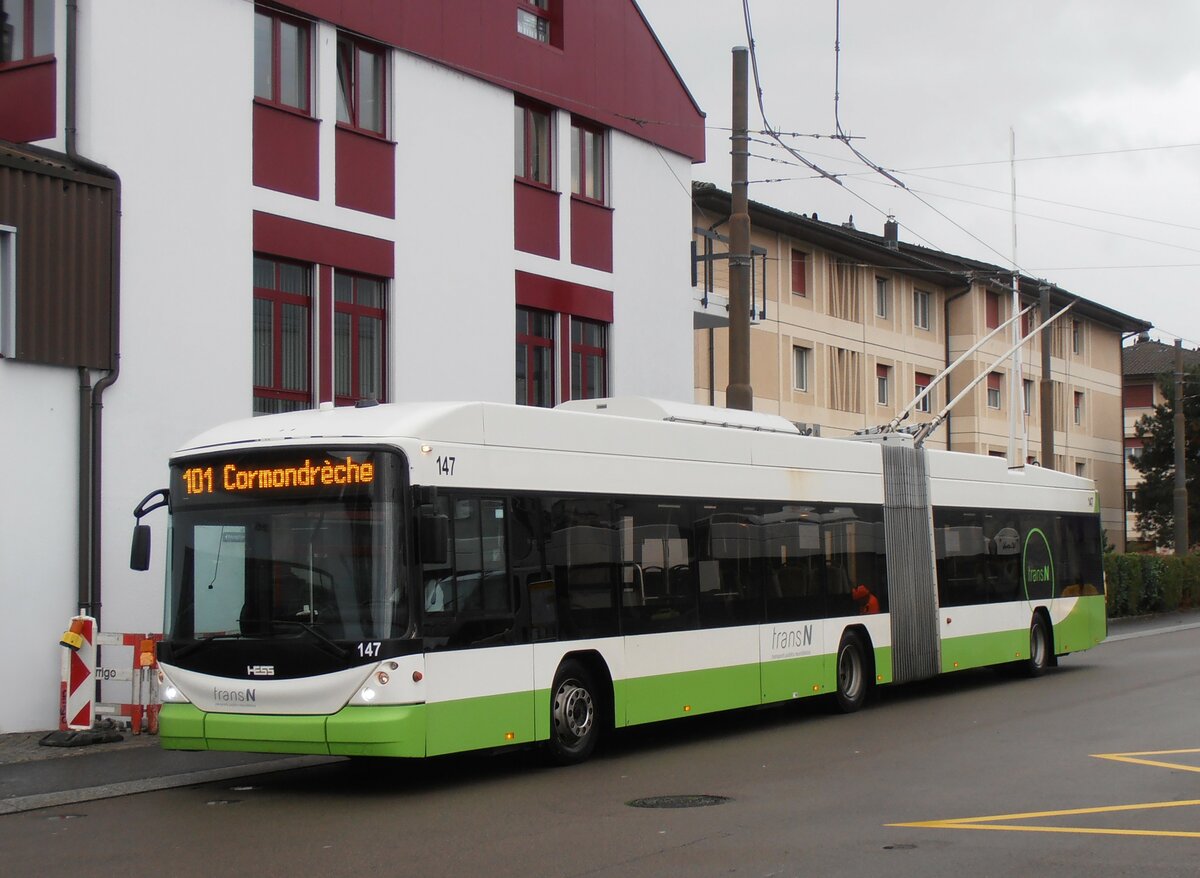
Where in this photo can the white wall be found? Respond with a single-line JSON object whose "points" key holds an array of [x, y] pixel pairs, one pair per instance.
{"points": [[39, 432], [651, 345]]}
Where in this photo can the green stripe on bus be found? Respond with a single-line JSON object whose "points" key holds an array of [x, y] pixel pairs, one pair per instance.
{"points": [[979, 650], [479, 723], [665, 696], [379, 730], [1085, 626]]}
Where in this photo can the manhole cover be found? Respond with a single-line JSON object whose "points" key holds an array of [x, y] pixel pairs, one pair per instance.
{"points": [[678, 801]]}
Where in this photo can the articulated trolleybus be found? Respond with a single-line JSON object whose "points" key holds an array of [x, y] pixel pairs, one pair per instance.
{"points": [[420, 579]]}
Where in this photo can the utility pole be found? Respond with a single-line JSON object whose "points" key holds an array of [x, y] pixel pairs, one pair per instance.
{"points": [[739, 394], [1180, 494], [1047, 386]]}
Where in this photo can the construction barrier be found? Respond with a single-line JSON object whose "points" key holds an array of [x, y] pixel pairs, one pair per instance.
{"points": [[77, 691], [78, 708], [143, 707]]}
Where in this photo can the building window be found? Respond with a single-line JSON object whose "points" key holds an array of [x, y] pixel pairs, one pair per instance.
{"points": [[359, 338], [535, 358], [282, 336], [883, 297], [362, 85], [1138, 396], [589, 359], [1081, 469], [1027, 393], [882, 380], [992, 309], [1133, 449], [799, 273], [920, 309], [533, 145], [1077, 336], [26, 29], [533, 20], [587, 162], [8, 291], [993, 390], [801, 357], [922, 380], [1130, 500], [1078, 407], [281, 65]]}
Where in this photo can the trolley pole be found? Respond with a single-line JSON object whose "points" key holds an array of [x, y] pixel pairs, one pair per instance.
{"points": [[1047, 400], [739, 394], [1180, 493]]}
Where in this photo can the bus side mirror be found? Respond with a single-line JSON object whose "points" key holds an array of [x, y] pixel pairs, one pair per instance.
{"points": [[434, 534], [139, 553]]}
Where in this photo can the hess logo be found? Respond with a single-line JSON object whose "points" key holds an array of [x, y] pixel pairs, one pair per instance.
{"points": [[260, 670]]}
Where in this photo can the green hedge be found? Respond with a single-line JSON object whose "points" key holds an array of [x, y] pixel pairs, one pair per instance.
{"points": [[1136, 584]]}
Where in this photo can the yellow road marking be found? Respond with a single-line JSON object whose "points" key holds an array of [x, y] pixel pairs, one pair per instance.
{"points": [[1129, 757], [989, 823]]}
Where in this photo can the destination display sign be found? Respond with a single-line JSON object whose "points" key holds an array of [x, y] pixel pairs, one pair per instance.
{"points": [[308, 473]]}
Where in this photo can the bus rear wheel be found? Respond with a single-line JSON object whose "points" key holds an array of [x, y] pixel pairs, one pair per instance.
{"points": [[574, 714], [852, 679], [1041, 650]]}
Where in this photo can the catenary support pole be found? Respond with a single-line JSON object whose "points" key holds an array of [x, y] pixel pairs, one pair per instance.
{"points": [[1180, 493], [739, 394]]}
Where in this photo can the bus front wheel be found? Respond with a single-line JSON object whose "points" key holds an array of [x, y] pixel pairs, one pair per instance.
{"points": [[574, 714], [852, 680]]}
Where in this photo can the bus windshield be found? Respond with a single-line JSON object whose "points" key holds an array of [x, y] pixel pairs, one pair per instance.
{"points": [[264, 547]]}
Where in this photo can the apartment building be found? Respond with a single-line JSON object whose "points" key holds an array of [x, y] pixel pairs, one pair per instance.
{"points": [[1147, 366], [320, 202], [848, 327]]}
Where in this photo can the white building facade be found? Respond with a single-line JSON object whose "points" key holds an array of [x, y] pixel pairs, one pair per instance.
{"points": [[322, 206]]}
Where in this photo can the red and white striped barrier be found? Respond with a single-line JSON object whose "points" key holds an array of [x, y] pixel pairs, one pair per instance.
{"points": [[77, 692]]}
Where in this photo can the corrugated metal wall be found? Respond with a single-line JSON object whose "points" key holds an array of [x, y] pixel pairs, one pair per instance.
{"points": [[64, 221]]}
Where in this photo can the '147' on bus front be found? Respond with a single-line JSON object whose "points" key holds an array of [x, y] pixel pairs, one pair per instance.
{"points": [[445, 466]]}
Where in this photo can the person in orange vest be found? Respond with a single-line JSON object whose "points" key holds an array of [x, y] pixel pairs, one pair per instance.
{"points": [[867, 602]]}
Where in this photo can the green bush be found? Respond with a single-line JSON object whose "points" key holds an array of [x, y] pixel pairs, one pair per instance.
{"points": [[1137, 584]]}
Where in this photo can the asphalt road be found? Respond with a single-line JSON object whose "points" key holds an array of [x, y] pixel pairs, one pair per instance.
{"points": [[809, 793]]}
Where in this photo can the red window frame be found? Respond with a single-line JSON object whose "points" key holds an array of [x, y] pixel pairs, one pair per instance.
{"points": [[355, 310], [583, 351], [532, 345], [921, 380], [349, 111], [993, 386], [525, 166], [799, 273], [883, 383], [291, 398], [30, 34], [586, 166], [275, 98], [992, 309]]}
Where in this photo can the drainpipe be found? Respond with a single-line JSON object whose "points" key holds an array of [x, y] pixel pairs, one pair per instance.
{"points": [[946, 344], [90, 423]]}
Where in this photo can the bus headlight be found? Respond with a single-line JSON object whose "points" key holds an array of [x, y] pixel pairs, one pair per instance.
{"points": [[168, 692]]}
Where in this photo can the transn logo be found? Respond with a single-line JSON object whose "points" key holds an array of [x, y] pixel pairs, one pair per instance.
{"points": [[260, 670]]}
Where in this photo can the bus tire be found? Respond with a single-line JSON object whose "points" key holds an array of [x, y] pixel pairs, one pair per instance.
{"points": [[853, 679], [575, 711], [1041, 647]]}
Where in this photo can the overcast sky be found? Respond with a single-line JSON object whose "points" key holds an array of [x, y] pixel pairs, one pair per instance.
{"points": [[933, 88]]}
